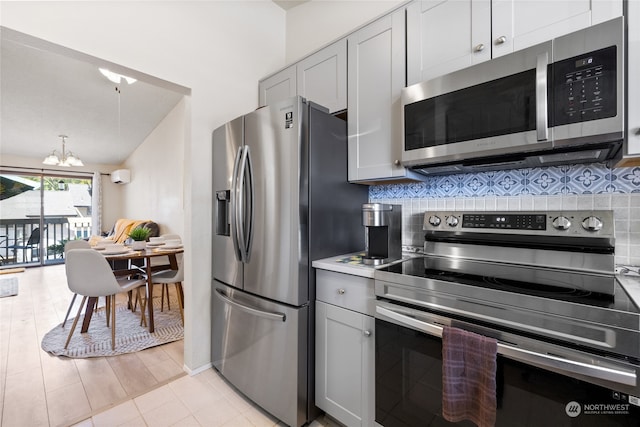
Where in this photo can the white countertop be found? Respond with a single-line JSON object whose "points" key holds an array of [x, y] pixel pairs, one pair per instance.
{"points": [[352, 264], [631, 284]]}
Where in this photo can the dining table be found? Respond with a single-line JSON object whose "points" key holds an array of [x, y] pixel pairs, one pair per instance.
{"points": [[127, 254]]}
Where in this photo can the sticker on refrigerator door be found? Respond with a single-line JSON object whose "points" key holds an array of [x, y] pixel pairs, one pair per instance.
{"points": [[288, 120]]}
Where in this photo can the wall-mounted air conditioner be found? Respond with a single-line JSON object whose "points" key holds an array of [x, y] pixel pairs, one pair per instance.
{"points": [[121, 176]]}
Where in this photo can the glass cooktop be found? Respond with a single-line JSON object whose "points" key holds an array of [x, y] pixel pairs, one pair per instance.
{"points": [[420, 267]]}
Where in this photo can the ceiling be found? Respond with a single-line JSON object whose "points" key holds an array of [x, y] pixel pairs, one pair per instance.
{"points": [[46, 93], [288, 4], [48, 90]]}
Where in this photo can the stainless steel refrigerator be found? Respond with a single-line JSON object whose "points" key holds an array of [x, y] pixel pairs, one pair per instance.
{"points": [[281, 200]]}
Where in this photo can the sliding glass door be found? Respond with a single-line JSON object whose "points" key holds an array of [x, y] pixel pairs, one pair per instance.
{"points": [[39, 213]]}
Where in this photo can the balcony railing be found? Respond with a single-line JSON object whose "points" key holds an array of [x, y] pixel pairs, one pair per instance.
{"points": [[23, 243]]}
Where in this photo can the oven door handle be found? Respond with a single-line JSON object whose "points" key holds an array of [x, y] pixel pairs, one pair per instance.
{"points": [[542, 360]]}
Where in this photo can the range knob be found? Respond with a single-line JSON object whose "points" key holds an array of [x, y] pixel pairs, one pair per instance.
{"points": [[434, 220], [452, 221], [592, 223], [561, 223]]}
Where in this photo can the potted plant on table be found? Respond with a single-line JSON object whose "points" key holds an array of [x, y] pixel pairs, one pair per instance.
{"points": [[139, 236]]}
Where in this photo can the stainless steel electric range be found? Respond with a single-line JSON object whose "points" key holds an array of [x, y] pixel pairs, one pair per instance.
{"points": [[543, 284]]}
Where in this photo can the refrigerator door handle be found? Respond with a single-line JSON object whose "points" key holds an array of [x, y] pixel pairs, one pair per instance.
{"points": [[255, 311], [242, 199], [250, 205], [235, 202]]}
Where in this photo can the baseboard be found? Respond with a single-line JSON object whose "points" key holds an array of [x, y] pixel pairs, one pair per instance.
{"points": [[196, 371]]}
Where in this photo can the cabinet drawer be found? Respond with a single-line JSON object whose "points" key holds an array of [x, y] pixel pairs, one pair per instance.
{"points": [[344, 290]]}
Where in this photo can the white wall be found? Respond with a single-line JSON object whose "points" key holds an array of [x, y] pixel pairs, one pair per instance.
{"points": [[314, 24], [218, 49], [157, 167]]}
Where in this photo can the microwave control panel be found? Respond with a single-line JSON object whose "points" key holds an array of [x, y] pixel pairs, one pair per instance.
{"points": [[584, 87]]}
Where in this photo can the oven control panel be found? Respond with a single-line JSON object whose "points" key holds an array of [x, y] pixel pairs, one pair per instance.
{"points": [[575, 223], [510, 221]]}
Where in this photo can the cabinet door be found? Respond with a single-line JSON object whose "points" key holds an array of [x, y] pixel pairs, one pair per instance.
{"points": [[277, 87], [633, 85], [445, 36], [322, 77], [376, 76], [345, 364], [517, 24]]}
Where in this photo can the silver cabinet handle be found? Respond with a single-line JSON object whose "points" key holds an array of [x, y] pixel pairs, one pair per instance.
{"points": [[367, 334], [396, 162], [255, 311], [501, 40], [478, 48], [341, 291]]}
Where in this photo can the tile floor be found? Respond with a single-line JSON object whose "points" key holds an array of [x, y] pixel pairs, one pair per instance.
{"points": [[147, 388], [205, 399]]}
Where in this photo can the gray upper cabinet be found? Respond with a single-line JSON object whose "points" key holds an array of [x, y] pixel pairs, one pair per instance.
{"points": [[445, 36], [517, 24], [632, 146], [277, 87], [322, 77], [376, 76]]}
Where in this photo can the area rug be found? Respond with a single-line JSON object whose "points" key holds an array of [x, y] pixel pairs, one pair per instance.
{"points": [[130, 336], [8, 286]]}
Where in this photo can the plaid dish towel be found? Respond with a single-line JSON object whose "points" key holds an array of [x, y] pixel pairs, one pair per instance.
{"points": [[468, 377]]}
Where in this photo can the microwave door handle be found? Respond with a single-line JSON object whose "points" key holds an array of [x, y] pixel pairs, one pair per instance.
{"points": [[543, 360], [235, 200], [542, 111]]}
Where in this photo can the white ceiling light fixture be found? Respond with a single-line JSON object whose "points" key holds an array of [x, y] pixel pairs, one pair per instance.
{"points": [[67, 159], [115, 77]]}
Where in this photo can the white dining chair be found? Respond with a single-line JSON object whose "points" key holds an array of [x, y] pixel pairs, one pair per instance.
{"points": [[163, 275], [168, 277], [73, 244], [90, 275]]}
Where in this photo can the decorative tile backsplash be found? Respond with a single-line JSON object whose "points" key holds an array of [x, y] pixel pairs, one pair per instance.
{"points": [[594, 178], [592, 186]]}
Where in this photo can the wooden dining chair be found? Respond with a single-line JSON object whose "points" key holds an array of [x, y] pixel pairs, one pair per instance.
{"points": [[89, 275]]}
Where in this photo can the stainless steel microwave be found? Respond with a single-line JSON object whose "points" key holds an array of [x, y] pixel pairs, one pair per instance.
{"points": [[557, 102]]}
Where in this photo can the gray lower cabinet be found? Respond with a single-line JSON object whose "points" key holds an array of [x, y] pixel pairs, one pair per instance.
{"points": [[345, 376]]}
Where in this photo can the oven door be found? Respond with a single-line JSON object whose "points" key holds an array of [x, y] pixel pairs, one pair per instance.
{"points": [[408, 371]]}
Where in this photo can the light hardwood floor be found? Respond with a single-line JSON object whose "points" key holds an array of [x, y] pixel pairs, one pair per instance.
{"points": [[37, 389], [147, 388]]}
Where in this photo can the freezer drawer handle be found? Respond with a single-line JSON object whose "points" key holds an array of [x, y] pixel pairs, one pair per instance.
{"points": [[622, 375], [254, 311]]}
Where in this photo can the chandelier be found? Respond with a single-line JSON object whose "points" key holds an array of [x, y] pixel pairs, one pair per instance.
{"points": [[67, 159]]}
